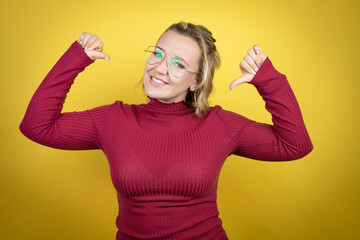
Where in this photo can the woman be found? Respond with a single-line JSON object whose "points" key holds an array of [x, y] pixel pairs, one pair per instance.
{"points": [[165, 156]]}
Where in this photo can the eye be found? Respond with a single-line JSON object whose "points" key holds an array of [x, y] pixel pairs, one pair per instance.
{"points": [[177, 64], [158, 54]]}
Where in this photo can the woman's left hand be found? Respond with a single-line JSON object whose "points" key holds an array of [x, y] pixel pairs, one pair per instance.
{"points": [[249, 66]]}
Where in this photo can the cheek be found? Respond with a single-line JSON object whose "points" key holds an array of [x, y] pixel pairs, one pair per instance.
{"points": [[147, 68], [146, 74], [186, 82]]}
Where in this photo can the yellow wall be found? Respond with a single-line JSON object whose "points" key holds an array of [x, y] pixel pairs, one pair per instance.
{"points": [[55, 194]]}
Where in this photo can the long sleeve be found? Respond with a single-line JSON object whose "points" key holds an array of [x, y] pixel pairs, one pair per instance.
{"points": [[287, 138], [43, 121]]}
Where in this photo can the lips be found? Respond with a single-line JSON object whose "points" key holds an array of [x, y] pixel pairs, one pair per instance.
{"points": [[157, 81]]}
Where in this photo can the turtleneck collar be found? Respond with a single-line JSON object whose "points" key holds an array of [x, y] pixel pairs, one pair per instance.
{"points": [[156, 109], [171, 107], [159, 117]]}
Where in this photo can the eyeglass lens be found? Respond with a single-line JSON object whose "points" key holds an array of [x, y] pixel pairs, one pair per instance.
{"points": [[177, 66]]}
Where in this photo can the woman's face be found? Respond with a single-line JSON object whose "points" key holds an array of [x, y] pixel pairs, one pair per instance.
{"points": [[174, 89]]}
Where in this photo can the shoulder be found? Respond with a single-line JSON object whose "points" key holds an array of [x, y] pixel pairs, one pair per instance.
{"points": [[104, 111], [118, 111], [229, 116], [232, 121]]}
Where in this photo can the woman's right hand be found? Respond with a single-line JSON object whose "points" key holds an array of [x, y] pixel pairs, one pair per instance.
{"points": [[92, 46]]}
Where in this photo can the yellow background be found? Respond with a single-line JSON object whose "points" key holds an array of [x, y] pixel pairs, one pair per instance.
{"points": [[55, 194]]}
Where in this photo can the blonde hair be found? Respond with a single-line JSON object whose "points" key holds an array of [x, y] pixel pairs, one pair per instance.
{"points": [[209, 61]]}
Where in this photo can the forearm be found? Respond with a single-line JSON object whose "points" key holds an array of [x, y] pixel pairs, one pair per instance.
{"points": [[287, 138], [45, 107]]}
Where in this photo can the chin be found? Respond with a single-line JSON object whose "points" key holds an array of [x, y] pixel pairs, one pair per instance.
{"points": [[149, 91], [152, 91]]}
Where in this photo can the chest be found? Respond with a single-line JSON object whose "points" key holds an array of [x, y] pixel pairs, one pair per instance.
{"points": [[180, 166]]}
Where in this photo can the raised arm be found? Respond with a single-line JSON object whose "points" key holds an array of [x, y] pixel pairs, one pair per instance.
{"points": [[43, 121], [287, 138]]}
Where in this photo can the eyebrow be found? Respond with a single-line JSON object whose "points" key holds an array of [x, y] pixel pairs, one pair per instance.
{"points": [[174, 55]]}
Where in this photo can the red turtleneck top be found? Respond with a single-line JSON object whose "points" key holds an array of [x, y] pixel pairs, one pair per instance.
{"points": [[164, 161]]}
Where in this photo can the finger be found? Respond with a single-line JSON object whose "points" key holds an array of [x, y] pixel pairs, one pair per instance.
{"points": [[90, 41], [96, 45], [100, 55], [244, 78], [86, 39], [251, 63], [81, 38], [246, 68], [257, 49], [252, 54]]}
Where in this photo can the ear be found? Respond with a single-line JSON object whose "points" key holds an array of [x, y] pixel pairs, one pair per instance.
{"points": [[195, 85]]}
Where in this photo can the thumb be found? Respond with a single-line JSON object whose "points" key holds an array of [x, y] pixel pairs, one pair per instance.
{"points": [[244, 78], [101, 55], [97, 55]]}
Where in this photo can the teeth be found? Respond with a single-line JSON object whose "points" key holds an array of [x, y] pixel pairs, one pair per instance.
{"points": [[157, 81]]}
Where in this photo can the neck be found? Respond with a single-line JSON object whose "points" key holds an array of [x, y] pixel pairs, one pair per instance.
{"points": [[167, 101], [163, 117], [168, 108]]}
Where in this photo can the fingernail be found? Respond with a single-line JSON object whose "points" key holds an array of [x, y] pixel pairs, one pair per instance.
{"points": [[107, 59], [257, 63], [256, 69], [257, 51], [253, 72], [86, 48]]}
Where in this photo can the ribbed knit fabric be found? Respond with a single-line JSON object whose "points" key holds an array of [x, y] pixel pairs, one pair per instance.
{"points": [[164, 161]]}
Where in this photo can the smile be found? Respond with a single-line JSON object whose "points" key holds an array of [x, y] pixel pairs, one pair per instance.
{"points": [[156, 81]]}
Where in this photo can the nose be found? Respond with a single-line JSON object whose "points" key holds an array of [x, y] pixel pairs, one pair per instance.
{"points": [[162, 67]]}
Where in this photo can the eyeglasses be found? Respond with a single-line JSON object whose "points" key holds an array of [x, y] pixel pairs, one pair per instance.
{"points": [[176, 65]]}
